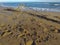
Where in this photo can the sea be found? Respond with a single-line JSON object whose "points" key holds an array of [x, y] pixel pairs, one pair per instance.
{"points": [[39, 6]]}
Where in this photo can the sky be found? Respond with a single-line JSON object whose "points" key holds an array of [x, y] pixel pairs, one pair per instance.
{"points": [[29, 0]]}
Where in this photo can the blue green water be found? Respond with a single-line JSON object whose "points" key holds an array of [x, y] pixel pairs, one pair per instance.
{"points": [[45, 5]]}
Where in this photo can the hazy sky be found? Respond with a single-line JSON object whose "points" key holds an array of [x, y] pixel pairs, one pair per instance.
{"points": [[29, 0]]}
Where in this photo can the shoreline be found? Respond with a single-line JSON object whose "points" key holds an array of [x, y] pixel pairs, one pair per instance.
{"points": [[37, 8], [45, 9]]}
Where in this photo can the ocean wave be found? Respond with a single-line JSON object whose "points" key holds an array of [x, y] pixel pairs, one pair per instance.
{"points": [[56, 4], [45, 9]]}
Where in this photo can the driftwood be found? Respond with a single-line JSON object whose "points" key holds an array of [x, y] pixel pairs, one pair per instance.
{"points": [[10, 9]]}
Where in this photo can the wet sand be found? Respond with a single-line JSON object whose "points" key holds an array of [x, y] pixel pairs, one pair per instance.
{"points": [[29, 27]]}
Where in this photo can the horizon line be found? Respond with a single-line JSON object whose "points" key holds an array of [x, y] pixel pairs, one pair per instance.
{"points": [[29, 1]]}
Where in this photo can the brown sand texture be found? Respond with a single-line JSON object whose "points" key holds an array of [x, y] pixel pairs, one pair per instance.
{"points": [[29, 27]]}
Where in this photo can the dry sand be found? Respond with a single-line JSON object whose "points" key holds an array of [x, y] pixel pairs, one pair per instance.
{"points": [[29, 27]]}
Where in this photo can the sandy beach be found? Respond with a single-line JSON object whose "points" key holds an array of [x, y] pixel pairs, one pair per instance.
{"points": [[31, 27]]}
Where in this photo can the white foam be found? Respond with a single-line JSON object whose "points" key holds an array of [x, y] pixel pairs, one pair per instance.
{"points": [[57, 4], [45, 9]]}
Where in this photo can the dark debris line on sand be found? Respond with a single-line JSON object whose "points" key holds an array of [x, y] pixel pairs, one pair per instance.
{"points": [[39, 16], [43, 17]]}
